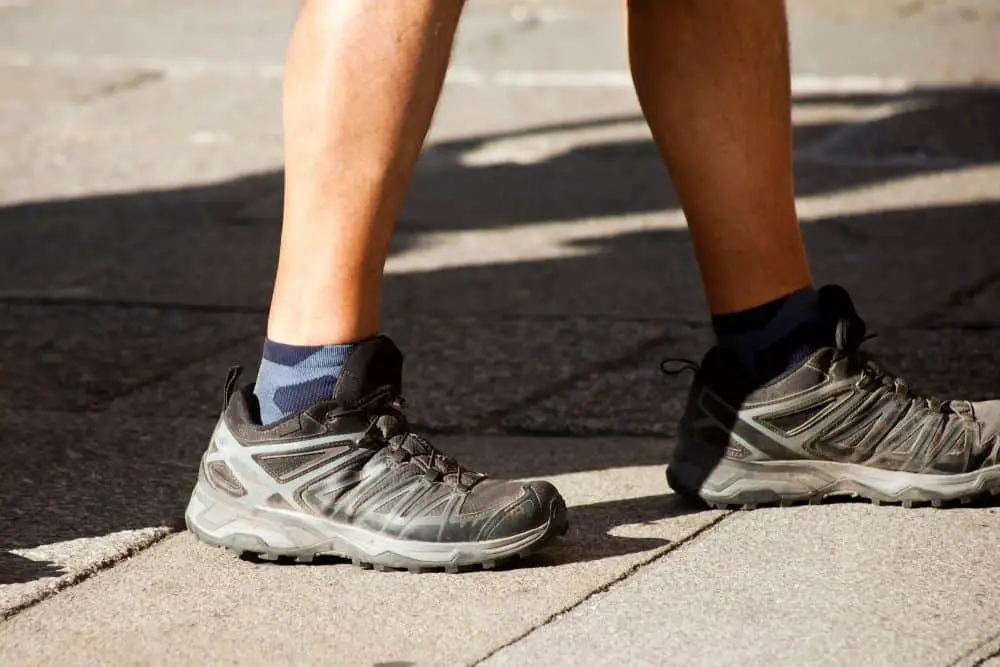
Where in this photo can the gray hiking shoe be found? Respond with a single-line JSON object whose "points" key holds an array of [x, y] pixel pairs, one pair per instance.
{"points": [[839, 423], [347, 478]]}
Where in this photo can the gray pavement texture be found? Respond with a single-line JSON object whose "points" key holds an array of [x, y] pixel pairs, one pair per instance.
{"points": [[541, 271], [731, 598]]}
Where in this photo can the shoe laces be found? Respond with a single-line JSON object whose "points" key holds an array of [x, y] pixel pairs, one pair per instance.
{"points": [[875, 376], [676, 365], [390, 428]]}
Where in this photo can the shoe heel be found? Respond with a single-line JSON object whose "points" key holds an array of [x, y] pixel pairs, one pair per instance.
{"points": [[700, 474], [238, 526]]}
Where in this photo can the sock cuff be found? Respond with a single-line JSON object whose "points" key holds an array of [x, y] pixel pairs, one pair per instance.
{"points": [[284, 354], [293, 377], [287, 355], [778, 315]]}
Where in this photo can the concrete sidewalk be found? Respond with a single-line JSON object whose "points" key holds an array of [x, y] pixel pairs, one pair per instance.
{"points": [[540, 273]]}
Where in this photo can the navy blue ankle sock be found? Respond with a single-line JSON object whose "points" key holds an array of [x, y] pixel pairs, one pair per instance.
{"points": [[293, 377], [775, 336]]}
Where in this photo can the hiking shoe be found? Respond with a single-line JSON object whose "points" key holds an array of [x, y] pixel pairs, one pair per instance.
{"points": [[838, 423], [346, 477]]}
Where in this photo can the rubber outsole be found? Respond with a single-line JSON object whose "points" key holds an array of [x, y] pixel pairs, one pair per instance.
{"points": [[733, 485], [253, 547]]}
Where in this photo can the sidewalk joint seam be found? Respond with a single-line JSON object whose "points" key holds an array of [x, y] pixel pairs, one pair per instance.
{"points": [[127, 304], [609, 584], [979, 654], [73, 579], [987, 658]]}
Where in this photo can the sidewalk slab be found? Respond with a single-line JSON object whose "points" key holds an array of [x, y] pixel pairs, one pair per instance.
{"points": [[932, 41], [184, 603], [843, 584]]}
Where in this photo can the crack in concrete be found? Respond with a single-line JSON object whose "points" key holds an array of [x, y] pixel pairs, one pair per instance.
{"points": [[609, 584], [493, 418], [958, 298], [105, 401], [134, 82]]}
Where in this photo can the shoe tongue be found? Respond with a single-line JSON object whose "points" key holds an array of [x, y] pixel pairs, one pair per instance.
{"points": [[373, 364], [838, 310], [838, 326]]}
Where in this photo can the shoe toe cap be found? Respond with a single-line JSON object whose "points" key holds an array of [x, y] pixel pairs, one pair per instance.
{"points": [[988, 412], [539, 504]]}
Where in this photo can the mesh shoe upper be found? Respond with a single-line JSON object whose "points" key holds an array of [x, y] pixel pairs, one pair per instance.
{"points": [[840, 404], [353, 459]]}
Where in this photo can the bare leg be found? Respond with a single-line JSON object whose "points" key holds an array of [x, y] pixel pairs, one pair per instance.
{"points": [[713, 81], [361, 83]]}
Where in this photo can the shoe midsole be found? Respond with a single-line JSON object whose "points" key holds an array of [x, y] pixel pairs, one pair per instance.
{"points": [[750, 481], [228, 522]]}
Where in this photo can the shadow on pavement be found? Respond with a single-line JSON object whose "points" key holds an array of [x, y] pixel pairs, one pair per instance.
{"points": [[17, 570], [103, 296]]}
